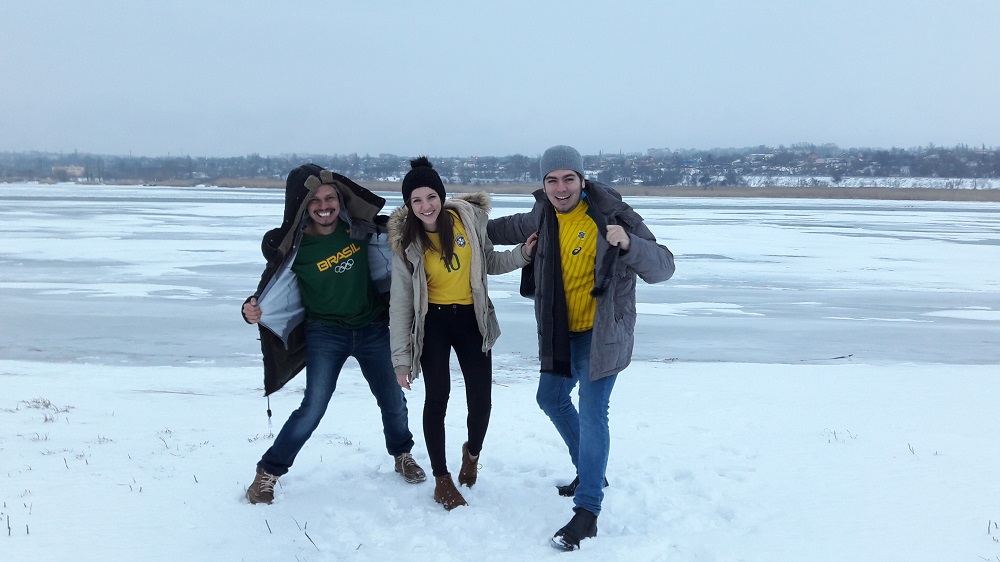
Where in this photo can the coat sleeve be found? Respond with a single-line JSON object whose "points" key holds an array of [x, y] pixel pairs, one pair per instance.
{"points": [[512, 229], [499, 262], [401, 315], [652, 262]]}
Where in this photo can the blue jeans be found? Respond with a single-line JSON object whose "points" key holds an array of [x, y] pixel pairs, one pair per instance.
{"points": [[585, 432], [327, 348]]}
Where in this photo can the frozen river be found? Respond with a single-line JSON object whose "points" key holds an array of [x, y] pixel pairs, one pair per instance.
{"points": [[156, 276]]}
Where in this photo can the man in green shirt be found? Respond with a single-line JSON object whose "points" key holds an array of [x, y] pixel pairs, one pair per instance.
{"points": [[318, 303]]}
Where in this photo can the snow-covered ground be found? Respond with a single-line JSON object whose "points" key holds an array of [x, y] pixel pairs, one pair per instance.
{"points": [[817, 382]]}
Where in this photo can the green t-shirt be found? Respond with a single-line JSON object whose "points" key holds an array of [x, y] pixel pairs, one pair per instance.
{"points": [[336, 285]]}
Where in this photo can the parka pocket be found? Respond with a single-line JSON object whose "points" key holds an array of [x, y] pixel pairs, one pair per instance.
{"points": [[623, 294]]}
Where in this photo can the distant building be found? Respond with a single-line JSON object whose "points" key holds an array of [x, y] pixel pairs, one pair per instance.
{"points": [[68, 171]]}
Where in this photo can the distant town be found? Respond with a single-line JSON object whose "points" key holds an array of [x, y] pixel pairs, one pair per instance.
{"points": [[804, 165]]}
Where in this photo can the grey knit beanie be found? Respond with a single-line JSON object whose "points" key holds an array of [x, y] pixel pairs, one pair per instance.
{"points": [[561, 157]]}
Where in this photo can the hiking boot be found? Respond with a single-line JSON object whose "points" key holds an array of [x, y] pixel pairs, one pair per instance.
{"points": [[262, 489], [583, 525], [569, 490], [446, 494], [409, 469], [470, 467]]}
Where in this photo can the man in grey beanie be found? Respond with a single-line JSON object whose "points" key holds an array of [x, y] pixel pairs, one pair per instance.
{"points": [[591, 247]]}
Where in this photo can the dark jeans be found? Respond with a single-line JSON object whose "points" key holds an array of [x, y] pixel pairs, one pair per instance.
{"points": [[447, 327], [327, 349]]}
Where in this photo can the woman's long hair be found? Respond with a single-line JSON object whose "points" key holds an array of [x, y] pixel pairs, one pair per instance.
{"points": [[413, 230]]}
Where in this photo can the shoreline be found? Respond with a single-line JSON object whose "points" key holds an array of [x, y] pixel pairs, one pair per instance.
{"points": [[868, 193], [865, 193]]}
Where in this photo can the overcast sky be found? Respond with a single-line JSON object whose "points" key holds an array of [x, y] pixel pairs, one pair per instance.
{"points": [[219, 78]]}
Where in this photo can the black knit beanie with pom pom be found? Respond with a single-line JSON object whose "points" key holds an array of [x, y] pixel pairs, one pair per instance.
{"points": [[422, 174]]}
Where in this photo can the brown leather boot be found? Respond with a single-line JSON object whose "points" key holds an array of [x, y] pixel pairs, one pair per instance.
{"points": [[470, 467], [446, 494], [262, 488]]}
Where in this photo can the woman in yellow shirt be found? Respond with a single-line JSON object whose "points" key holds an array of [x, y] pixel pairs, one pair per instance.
{"points": [[439, 301]]}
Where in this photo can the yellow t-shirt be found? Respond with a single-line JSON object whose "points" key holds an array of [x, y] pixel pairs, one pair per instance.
{"points": [[449, 283], [578, 250]]}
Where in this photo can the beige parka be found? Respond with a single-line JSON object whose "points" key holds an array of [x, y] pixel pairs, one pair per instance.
{"points": [[408, 296]]}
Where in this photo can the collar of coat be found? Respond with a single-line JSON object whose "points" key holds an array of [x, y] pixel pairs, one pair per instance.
{"points": [[479, 200]]}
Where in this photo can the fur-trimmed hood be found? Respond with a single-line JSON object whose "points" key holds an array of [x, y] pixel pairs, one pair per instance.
{"points": [[480, 202]]}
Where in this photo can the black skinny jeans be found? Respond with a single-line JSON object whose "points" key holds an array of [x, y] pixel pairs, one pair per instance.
{"points": [[447, 327]]}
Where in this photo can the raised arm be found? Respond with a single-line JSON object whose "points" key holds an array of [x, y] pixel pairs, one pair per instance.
{"points": [[652, 262]]}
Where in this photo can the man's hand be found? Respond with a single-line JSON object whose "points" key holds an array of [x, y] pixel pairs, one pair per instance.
{"points": [[618, 237], [251, 311]]}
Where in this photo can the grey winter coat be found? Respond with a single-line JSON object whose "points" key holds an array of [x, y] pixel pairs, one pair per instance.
{"points": [[408, 298], [614, 274]]}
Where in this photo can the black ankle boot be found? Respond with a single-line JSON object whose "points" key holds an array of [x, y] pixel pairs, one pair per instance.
{"points": [[583, 525], [569, 490]]}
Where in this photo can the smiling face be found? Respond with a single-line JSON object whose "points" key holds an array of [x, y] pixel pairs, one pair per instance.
{"points": [[425, 204], [563, 188], [323, 209]]}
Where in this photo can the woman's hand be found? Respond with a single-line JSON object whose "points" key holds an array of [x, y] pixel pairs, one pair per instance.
{"points": [[528, 250], [404, 379]]}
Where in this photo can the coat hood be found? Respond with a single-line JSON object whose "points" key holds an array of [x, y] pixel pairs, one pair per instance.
{"points": [[302, 181], [357, 203]]}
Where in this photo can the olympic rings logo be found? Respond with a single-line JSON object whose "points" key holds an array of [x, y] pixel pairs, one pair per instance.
{"points": [[344, 266]]}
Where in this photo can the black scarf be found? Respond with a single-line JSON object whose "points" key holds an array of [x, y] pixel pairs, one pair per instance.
{"points": [[554, 343]]}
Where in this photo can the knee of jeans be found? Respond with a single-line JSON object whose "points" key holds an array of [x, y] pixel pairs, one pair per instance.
{"points": [[391, 401], [594, 421], [552, 403], [543, 401], [312, 407], [314, 416]]}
